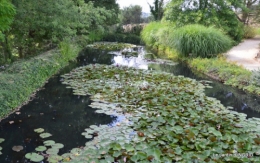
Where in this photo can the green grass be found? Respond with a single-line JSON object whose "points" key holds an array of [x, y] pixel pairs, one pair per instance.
{"points": [[228, 72], [22, 78]]}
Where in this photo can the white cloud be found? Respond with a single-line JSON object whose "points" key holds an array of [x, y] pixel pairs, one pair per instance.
{"points": [[142, 3]]}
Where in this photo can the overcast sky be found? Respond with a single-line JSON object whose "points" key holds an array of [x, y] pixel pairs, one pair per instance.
{"points": [[143, 3]]}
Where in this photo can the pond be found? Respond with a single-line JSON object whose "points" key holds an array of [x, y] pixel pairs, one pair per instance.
{"points": [[65, 115]]}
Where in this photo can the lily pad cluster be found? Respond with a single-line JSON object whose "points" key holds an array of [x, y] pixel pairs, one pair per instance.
{"points": [[169, 118], [110, 45], [1, 140], [49, 149]]}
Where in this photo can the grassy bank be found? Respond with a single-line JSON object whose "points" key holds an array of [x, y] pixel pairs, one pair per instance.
{"points": [[194, 45], [21, 79], [217, 68], [228, 73]]}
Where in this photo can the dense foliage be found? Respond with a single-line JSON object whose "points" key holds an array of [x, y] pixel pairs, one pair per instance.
{"points": [[132, 14], [217, 13], [157, 9], [199, 41], [41, 25], [21, 79], [7, 12], [190, 40], [249, 32], [155, 33], [109, 5], [165, 119]]}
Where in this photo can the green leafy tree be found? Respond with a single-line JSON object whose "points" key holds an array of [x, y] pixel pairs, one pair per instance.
{"points": [[43, 24], [132, 14], [250, 8], [219, 13], [7, 12], [111, 5], [157, 9]]}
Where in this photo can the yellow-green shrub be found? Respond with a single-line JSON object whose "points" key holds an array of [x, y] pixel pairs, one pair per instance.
{"points": [[249, 32]]}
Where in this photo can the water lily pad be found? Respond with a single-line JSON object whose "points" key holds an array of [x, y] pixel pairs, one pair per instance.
{"points": [[17, 148], [93, 126], [76, 151], [40, 148], [49, 142], [54, 159], [39, 130], [65, 155], [45, 135], [88, 136], [57, 145], [34, 157], [2, 140], [52, 151]]}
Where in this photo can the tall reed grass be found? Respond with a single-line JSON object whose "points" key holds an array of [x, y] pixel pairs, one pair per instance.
{"points": [[199, 41]]}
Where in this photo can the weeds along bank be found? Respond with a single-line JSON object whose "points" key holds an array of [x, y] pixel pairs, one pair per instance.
{"points": [[200, 47], [22, 78]]}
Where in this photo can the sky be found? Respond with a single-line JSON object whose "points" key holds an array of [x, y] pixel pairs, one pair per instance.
{"points": [[142, 3]]}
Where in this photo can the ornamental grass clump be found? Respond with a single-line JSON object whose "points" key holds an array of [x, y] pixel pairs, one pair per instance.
{"points": [[149, 33], [199, 41]]}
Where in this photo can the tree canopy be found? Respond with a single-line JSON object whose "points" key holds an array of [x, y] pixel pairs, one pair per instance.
{"points": [[7, 12], [132, 14], [219, 13], [157, 9], [46, 22]]}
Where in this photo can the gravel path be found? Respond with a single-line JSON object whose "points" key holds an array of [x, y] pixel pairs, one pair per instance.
{"points": [[244, 54]]}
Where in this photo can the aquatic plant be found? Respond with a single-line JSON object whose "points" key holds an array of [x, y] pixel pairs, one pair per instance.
{"points": [[1, 140], [49, 149], [168, 118], [110, 45]]}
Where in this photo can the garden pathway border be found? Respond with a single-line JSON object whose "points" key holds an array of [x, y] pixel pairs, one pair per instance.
{"points": [[247, 54]]}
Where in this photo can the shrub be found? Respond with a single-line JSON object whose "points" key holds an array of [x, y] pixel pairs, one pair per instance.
{"points": [[255, 78], [199, 41], [126, 38], [149, 33], [249, 32]]}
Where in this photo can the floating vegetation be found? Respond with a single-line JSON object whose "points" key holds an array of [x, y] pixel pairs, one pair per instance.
{"points": [[45, 135], [41, 148], [1, 141], [34, 157], [39, 130], [49, 142], [17, 148], [110, 46], [49, 149], [168, 118]]}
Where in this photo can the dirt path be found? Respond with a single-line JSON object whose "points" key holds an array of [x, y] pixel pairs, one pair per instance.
{"points": [[244, 54]]}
